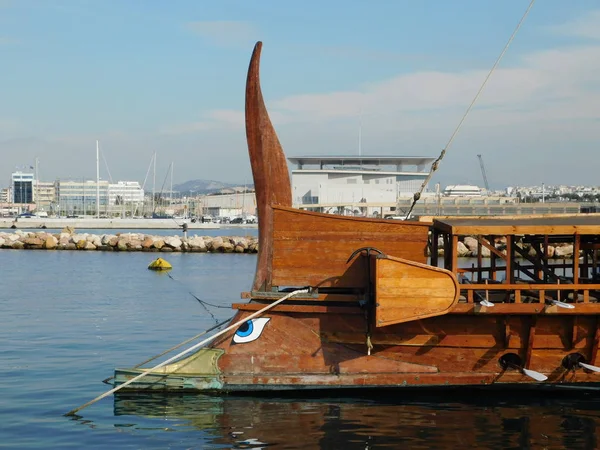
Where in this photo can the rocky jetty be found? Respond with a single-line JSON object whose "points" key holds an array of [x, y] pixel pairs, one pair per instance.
{"points": [[68, 239]]}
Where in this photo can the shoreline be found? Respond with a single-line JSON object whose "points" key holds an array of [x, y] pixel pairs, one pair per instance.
{"points": [[108, 224]]}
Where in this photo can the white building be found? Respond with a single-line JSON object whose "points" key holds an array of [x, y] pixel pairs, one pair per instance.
{"points": [[239, 203], [125, 192], [462, 190], [79, 197], [6, 195], [44, 194], [356, 184]]}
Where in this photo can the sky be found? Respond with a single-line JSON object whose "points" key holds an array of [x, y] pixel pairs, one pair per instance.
{"points": [[145, 76]]}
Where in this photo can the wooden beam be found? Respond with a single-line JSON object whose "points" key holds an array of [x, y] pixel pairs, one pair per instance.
{"points": [[533, 287], [483, 241], [454, 265], [434, 247], [530, 339], [509, 269], [520, 309], [479, 259], [576, 274], [595, 343], [493, 256]]}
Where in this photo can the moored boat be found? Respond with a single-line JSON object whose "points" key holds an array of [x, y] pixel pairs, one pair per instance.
{"points": [[349, 302]]}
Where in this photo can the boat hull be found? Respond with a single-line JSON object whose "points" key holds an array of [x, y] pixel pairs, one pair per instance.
{"points": [[327, 349]]}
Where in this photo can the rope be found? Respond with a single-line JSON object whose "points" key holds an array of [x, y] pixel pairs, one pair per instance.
{"points": [[187, 341], [185, 352], [436, 163], [204, 304]]}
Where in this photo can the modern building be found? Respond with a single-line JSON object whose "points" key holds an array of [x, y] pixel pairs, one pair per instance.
{"points": [[79, 197], [462, 190], [356, 185], [44, 194], [22, 187], [125, 192], [6, 195], [221, 205]]}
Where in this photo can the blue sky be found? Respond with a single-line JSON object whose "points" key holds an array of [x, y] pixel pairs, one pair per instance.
{"points": [[145, 76]]}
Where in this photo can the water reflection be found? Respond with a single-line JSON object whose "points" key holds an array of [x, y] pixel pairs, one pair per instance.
{"points": [[443, 420]]}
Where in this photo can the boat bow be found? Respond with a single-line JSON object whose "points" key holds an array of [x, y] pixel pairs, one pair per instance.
{"points": [[269, 169]]}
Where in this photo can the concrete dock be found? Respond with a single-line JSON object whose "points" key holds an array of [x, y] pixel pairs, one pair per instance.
{"points": [[101, 224]]}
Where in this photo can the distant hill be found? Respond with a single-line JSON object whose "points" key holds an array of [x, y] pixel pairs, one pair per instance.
{"points": [[204, 187]]}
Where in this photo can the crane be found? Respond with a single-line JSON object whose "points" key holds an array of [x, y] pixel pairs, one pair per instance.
{"points": [[487, 186]]}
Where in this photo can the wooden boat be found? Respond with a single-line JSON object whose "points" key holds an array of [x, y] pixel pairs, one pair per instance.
{"points": [[377, 314]]}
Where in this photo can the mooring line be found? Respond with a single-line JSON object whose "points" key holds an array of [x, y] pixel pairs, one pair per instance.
{"points": [[187, 341], [185, 352], [192, 294], [202, 302]]}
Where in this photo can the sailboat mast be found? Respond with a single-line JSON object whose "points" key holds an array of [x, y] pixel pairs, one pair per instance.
{"points": [[37, 181], [154, 183], [97, 179], [360, 135], [171, 195]]}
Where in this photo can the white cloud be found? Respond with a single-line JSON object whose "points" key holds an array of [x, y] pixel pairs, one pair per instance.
{"points": [[547, 86], [585, 26], [529, 117], [216, 119], [225, 32]]}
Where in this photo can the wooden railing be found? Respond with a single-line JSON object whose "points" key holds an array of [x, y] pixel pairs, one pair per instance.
{"points": [[532, 290]]}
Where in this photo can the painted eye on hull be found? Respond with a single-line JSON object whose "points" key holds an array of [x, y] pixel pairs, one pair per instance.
{"points": [[250, 330]]}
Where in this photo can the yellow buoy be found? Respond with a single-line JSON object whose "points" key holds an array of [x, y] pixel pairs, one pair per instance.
{"points": [[160, 264]]}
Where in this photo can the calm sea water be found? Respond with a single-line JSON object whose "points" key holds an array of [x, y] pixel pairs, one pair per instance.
{"points": [[68, 318]]}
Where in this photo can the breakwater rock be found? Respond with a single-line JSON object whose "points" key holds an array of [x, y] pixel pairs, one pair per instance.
{"points": [[127, 242]]}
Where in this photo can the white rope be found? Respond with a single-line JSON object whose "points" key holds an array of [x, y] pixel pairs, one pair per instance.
{"points": [[192, 348], [435, 164]]}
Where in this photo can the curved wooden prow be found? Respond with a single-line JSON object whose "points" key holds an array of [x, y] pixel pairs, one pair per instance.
{"points": [[269, 170]]}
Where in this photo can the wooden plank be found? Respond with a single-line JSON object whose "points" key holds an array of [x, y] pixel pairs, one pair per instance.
{"points": [[454, 266], [509, 275], [480, 260], [493, 256], [300, 308], [576, 273], [321, 297], [435, 248], [530, 340], [312, 248], [596, 343], [486, 243], [406, 291], [486, 341], [503, 230], [532, 286], [574, 332]]}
